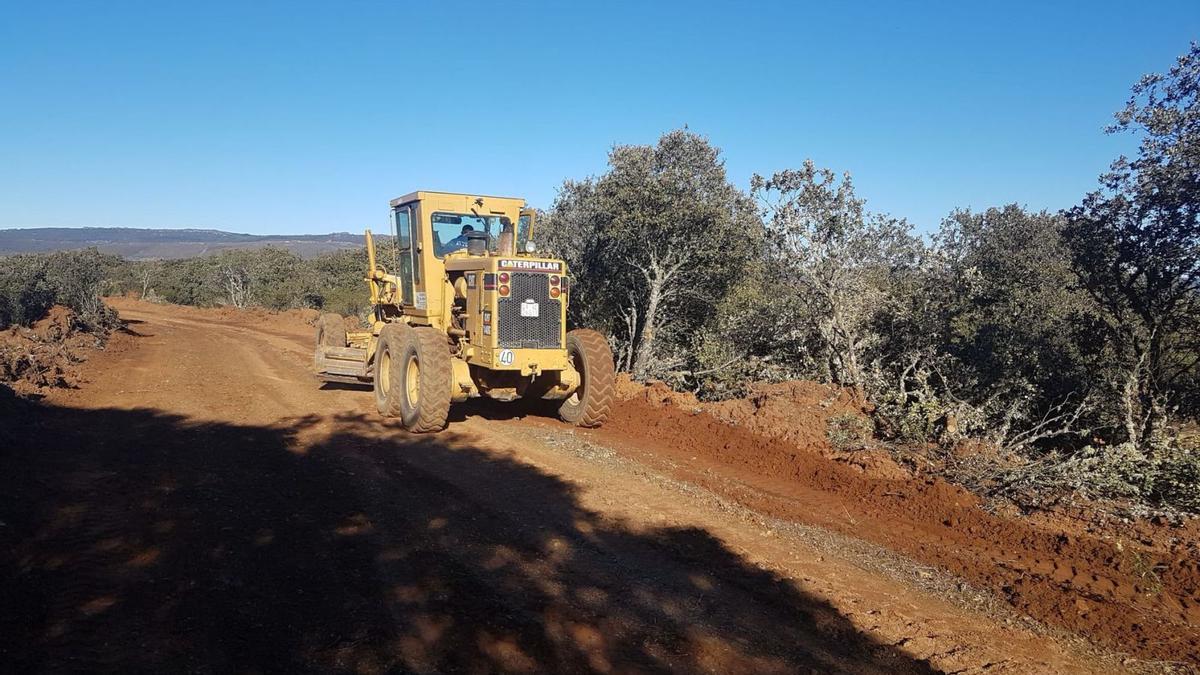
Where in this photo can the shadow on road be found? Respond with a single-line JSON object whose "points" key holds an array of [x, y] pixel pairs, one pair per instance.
{"points": [[138, 540]]}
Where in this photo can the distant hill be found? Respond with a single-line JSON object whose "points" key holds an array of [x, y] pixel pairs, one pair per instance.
{"points": [[149, 244]]}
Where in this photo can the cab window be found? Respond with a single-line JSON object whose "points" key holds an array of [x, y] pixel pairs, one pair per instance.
{"points": [[450, 231]]}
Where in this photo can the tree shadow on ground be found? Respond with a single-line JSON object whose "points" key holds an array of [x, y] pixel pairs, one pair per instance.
{"points": [[138, 540]]}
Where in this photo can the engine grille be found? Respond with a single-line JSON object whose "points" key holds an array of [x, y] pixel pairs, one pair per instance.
{"points": [[524, 332]]}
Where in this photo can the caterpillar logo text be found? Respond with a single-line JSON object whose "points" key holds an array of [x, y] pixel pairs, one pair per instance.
{"points": [[530, 265]]}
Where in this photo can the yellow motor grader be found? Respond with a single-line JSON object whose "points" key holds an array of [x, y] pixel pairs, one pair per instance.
{"points": [[464, 307]]}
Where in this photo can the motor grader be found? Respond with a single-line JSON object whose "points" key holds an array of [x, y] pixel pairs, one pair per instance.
{"points": [[464, 307]]}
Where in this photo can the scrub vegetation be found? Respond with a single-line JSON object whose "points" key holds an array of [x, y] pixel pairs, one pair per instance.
{"points": [[1068, 343]]}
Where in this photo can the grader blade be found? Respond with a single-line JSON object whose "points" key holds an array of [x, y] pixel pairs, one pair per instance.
{"points": [[343, 364]]}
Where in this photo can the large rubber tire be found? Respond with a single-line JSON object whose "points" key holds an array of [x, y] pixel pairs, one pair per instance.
{"points": [[331, 332], [426, 375], [588, 406], [387, 370]]}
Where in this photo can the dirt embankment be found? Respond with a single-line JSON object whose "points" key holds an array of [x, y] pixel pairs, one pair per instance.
{"points": [[1132, 586], [801, 414]]}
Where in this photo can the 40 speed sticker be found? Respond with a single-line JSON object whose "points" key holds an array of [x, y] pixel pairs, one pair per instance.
{"points": [[506, 357]]}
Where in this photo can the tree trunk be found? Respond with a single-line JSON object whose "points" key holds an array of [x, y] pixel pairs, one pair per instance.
{"points": [[1154, 431], [645, 346], [847, 351], [630, 316], [1129, 409]]}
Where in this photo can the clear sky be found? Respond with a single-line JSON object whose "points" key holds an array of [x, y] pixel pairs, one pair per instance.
{"points": [[298, 117]]}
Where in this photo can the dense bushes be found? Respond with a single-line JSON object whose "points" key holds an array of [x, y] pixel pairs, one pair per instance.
{"points": [[31, 284], [1069, 340], [267, 277], [653, 245], [24, 291]]}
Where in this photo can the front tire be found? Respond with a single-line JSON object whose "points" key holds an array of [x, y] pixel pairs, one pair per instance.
{"points": [[426, 375], [592, 357], [387, 377]]}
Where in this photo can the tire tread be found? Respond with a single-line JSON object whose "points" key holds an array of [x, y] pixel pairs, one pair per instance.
{"points": [[433, 406], [600, 380]]}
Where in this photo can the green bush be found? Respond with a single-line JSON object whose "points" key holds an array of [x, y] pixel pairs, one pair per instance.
{"points": [[268, 277], [31, 284], [25, 293]]}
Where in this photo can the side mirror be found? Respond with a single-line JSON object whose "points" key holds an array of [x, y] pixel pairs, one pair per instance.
{"points": [[525, 224]]}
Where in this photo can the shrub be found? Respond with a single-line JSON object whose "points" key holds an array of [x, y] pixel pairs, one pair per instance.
{"points": [[30, 284], [1170, 478], [1177, 479], [78, 279], [25, 293], [848, 431]]}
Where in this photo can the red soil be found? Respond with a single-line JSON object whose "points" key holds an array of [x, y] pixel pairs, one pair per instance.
{"points": [[1136, 589]]}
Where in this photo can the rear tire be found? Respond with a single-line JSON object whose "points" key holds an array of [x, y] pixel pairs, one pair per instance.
{"points": [[331, 332], [592, 357], [387, 377], [426, 375]]}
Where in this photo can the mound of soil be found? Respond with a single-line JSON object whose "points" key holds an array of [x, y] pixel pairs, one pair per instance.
{"points": [[797, 412], [655, 393], [1133, 591], [46, 354]]}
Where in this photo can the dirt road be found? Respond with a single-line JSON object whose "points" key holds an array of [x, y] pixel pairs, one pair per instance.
{"points": [[202, 503]]}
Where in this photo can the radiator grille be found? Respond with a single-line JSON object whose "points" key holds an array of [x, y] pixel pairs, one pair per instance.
{"points": [[525, 332]]}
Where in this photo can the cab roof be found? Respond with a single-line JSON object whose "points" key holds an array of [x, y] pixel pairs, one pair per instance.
{"points": [[422, 195]]}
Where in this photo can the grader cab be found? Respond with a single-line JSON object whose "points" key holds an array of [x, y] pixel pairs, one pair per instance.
{"points": [[464, 307]]}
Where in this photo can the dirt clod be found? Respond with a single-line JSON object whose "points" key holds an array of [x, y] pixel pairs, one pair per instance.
{"points": [[47, 354]]}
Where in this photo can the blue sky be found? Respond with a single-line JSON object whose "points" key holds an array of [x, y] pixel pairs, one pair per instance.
{"points": [[307, 117]]}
